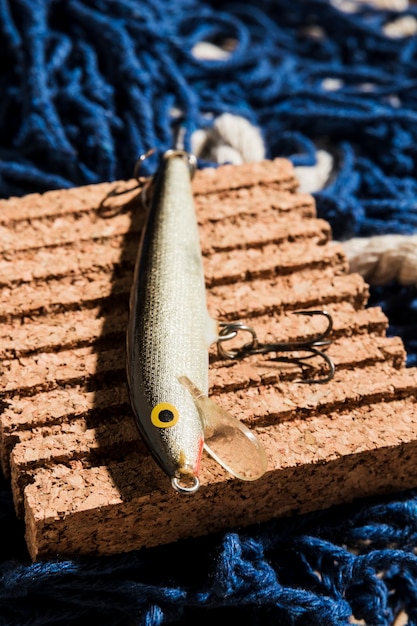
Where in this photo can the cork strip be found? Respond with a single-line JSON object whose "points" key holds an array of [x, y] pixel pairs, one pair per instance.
{"points": [[81, 477]]}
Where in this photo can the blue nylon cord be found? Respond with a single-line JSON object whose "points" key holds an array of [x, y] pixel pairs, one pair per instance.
{"points": [[87, 86]]}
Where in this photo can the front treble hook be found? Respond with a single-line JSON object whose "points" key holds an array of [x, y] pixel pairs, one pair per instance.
{"points": [[105, 209], [311, 346]]}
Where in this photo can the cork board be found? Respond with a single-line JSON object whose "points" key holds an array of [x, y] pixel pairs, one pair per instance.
{"points": [[81, 478]]}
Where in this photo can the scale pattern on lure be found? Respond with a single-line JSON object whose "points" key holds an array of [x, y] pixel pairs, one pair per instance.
{"points": [[168, 337]]}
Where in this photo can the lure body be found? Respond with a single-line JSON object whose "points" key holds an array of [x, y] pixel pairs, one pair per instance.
{"points": [[168, 336], [169, 327]]}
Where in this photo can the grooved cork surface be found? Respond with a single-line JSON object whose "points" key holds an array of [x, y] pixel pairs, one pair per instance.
{"points": [[81, 477]]}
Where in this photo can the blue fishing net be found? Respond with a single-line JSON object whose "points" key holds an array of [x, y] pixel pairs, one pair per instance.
{"points": [[87, 86]]}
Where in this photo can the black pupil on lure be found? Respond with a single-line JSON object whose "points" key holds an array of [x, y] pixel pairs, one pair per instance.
{"points": [[166, 416]]}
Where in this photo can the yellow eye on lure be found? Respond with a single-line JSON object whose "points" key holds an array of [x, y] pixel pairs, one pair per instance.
{"points": [[164, 415], [168, 337]]}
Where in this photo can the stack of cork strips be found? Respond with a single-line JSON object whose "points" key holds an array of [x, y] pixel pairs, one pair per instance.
{"points": [[80, 475]]}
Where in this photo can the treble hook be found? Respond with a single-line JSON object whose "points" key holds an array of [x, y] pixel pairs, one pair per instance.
{"points": [[142, 183], [229, 330]]}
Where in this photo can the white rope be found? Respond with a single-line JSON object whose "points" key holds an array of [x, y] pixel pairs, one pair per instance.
{"points": [[379, 259], [390, 5], [231, 139], [313, 178], [384, 258], [351, 6], [405, 26], [209, 52]]}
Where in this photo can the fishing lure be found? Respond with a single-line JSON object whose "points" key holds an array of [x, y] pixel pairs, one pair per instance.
{"points": [[168, 336]]}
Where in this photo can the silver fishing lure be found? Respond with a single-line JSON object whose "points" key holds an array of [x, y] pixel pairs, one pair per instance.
{"points": [[168, 337]]}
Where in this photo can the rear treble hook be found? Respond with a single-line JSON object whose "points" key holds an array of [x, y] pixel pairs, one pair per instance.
{"points": [[310, 346]]}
